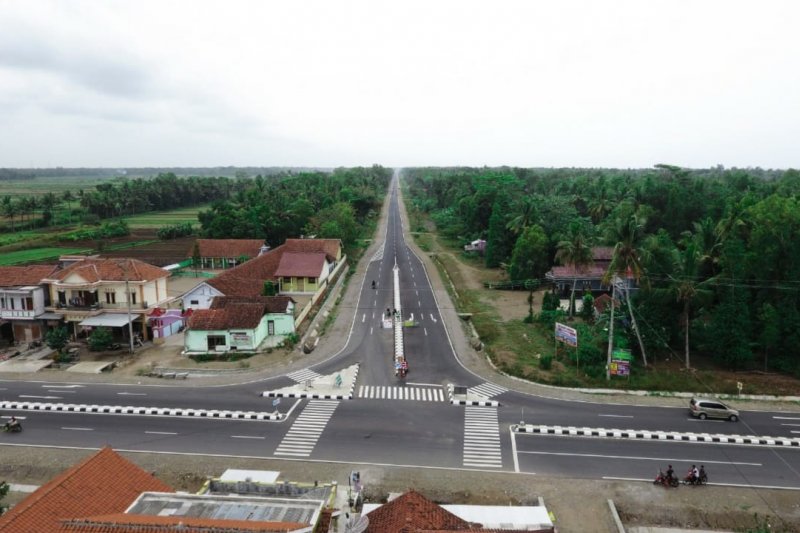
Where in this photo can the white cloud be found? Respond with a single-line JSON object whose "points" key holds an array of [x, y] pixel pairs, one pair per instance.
{"points": [[595, 83]]}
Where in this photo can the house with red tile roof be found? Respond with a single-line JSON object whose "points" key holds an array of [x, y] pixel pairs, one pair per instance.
{"points": [[92, 292], [414, 513], [588, 278], [225, 253], [23, 300], [106, 493], [104, 483], [306, 270], [243, 324]]}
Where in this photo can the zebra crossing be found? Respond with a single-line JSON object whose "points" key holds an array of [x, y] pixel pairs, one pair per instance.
{"points": [[482, 438], [301, 438], [487, 389], [304, 375], [422, 394]]}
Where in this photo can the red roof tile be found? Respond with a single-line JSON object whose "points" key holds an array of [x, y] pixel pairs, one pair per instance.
{"points": [[228, 247], [301, 264], [260, 269], [135, 523], [272, 304], [243, 315], [18, 276], [94, 270], [331, 247], [413, 512], [104, 483], [236, 286]]}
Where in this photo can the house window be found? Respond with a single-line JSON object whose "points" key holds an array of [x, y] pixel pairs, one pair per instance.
{"points": [[11, 302], [2, 303], [311, 281], [214, 341], [111, 297], [27, 304], [133, 297]]}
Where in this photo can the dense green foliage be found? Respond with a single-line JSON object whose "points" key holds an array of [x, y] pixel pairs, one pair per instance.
{"points": [[56, 338], [714, 251], [107, 230], [288, 205], [100, 339], [174, 231]]}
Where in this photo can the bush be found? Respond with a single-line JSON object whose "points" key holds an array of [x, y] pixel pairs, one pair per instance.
{"points": [[100, 339], [175, 231], [546, 362], [56, 338]]}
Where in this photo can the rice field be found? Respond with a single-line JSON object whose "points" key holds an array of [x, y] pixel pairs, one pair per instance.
{"points": [[155, 220], [37, 254]]}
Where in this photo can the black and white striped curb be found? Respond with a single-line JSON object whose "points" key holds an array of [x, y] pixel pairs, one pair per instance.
{"points": [[315, 395], [718, 438], [473, 403], [131, 410]]}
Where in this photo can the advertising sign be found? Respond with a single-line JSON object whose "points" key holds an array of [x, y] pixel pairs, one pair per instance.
{"points": [[566, 334], [620, 368], [241, 339]]}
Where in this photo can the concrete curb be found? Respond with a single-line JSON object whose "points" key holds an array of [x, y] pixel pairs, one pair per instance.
{"points": [[132, 410], [718, 438], [475, 403], [317, 395], [615, 516]]}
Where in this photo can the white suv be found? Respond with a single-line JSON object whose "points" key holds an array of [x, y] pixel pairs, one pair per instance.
{"points": [[703, 408]]}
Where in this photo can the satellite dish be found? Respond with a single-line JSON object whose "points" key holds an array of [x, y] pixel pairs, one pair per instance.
{"points": [[359, 525]]}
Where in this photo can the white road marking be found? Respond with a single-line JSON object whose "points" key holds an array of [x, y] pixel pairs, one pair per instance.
{"points": [[245, 437], [373, 315], [794, 431], [692, 419], [792, 425], [363, 317], [426, 331], [41, 397], [417, 292], [487, 389], [635, 458], [160, 433], [78, 429], [786, 417], [132, 393], [433, 318], [63, 386], [618, 416], [514, 449], [482, 438], [17, 417], [370, 330], [61, 391], [614, 478]]}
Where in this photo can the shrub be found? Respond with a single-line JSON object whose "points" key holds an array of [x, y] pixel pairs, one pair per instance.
{"points": [[56, 338], [546, 362], [175, 231], [100, 339]]}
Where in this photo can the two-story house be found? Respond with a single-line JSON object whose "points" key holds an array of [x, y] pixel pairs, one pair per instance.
{"points": [[90, 292], [23, 317]]}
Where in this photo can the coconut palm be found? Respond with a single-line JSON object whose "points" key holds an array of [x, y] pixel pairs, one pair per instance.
{"points": [[527, 212], [575, 250]]}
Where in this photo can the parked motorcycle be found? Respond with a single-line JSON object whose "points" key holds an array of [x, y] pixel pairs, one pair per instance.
{"points": [[701, 480]]}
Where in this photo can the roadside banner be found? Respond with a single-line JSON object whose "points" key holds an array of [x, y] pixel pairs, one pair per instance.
{"points": [[566, 334]]}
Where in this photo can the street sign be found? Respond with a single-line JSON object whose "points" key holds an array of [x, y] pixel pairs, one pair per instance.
{"points": [[276, 401], [338, 380], [566, 334]]}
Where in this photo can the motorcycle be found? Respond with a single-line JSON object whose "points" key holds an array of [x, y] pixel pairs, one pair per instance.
{"points": [[12, 428], [701, 480], [667, 481]]}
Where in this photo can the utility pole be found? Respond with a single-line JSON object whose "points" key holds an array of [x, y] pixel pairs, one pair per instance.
{"points": [[128, 300], [611, 329]]}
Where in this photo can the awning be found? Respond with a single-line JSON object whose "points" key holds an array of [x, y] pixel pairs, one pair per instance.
{"points": [[50, 316], [107, 319]]}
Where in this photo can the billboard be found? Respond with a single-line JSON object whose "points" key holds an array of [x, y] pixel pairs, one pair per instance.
{"points": [[566, 334]]}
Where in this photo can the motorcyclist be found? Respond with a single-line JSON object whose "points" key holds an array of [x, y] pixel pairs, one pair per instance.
{"points": [[11, 423], [695, 474], [670, 473], [373, 283], [702, 476]]}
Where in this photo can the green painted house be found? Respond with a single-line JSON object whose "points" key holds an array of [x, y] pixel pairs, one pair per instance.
{"points": [[244, 324]]}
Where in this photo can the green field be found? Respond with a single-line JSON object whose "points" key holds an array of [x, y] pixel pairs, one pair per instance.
{"points": [[55, 185], [165, 218], [37, 254]]}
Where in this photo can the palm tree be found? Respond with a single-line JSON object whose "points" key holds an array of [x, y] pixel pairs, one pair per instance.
{"points": [[575, 250], [524, 219], [626, 260], [686, 283]]}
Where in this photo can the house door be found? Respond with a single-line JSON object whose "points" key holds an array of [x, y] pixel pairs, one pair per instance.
{"points": [[270, 327]]}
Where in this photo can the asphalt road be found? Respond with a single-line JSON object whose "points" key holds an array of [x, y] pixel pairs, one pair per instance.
{"points": [[431, 434]]}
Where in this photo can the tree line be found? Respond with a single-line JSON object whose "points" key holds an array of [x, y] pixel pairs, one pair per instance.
{"points": [[713, 251], [333, 204]]}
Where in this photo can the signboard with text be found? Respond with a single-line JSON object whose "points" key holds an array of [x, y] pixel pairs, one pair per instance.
{"points": [[566, 334]]}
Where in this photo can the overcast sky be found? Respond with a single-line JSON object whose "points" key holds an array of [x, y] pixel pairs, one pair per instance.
{"points": [[403, 83]]}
